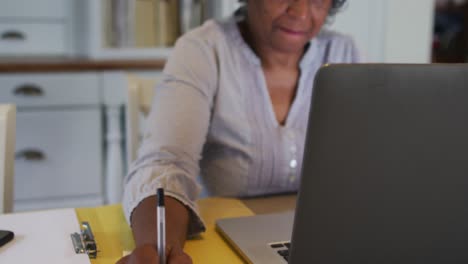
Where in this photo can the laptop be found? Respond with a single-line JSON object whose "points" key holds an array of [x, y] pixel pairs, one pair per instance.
{"points": [[384, 176]]}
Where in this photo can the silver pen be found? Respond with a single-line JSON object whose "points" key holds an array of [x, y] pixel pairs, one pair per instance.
{"points": [[161, 222]]}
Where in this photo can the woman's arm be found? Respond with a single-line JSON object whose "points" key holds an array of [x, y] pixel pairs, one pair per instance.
{"points": [[169, 157]]}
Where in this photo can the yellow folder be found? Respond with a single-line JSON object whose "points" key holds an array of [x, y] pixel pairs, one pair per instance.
{"points": [[113, 235]]}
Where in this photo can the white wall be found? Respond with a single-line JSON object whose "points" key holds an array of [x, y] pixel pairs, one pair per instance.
{"points": [[409, 30], [389, 30]]}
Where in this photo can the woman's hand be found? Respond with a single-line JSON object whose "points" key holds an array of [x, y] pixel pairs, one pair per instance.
{"points": [[148, 254], [144, 229]]}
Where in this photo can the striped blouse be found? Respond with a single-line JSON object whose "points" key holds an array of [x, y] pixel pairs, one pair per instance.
{"points": [[212, 123]]}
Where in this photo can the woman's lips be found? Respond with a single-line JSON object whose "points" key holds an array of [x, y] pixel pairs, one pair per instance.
{"points": [[293, 32]]}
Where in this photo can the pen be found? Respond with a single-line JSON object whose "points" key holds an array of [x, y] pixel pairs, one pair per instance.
{"points": [[161, 222]]}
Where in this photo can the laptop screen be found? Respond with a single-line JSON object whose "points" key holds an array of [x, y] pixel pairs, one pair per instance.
{"points": [[385, 170]]}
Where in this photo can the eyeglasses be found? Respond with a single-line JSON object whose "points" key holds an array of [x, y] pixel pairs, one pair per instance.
{"points": [[320, 4]]}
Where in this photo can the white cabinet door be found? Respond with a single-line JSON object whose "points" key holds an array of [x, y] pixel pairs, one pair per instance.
{"points": [[34, 9], [398, 31], [50, 89], [58, 158], [32, 38]]}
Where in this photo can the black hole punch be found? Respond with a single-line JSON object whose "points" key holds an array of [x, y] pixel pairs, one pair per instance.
{"points": [[276, 245]]}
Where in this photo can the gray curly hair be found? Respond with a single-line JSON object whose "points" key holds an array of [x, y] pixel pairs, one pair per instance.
{"points": [[335, 7]]}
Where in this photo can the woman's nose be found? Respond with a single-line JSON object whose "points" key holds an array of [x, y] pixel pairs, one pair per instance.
{"points": [[299, 9]]}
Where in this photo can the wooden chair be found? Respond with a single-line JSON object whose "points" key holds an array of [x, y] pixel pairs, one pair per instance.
{"points": [[7, 150], [139, 96]]}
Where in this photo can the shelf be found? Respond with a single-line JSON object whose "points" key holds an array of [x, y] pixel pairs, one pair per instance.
{"points": [[42, 65], [131, 53], [91, 41]]}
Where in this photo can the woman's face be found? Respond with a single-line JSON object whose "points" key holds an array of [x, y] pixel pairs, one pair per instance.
{"points": [[286, 25]]}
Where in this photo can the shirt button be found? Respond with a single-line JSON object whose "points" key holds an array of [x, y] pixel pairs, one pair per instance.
{"points": [[293, 164], [290, 134], [293, 149], [292, 178]]}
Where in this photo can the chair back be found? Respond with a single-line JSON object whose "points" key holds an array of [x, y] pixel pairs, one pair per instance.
{"points": [[139, 97], [7, 150]]}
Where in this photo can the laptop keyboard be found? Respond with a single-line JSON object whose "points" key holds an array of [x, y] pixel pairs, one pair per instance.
{"points": [[282, 248]]}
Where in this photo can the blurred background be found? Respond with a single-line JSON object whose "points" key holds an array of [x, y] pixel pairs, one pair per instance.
{"points": [[66, 64]]}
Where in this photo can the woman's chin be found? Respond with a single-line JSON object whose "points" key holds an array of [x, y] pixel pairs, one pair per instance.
{"points": [[289, 43], [290, 46]]}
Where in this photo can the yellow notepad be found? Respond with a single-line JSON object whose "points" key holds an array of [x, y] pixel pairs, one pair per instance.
{"points": [[113, 235]]}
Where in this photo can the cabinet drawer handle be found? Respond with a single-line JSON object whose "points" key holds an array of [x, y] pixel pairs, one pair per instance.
{"points": [[30, 155], [13, 35], [28, 90]]}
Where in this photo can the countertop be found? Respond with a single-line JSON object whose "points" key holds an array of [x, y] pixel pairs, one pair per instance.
{"points": [[14, 65]]}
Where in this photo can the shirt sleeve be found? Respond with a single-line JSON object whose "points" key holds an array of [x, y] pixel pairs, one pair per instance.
{"points": [[176, 130], [355, 54], [343, 49]]}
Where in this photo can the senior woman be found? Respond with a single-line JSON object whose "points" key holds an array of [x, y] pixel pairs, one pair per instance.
{"points": [[232, 108]]}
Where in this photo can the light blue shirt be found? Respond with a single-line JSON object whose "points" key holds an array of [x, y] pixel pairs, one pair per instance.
{"points": [[212, 116]]}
